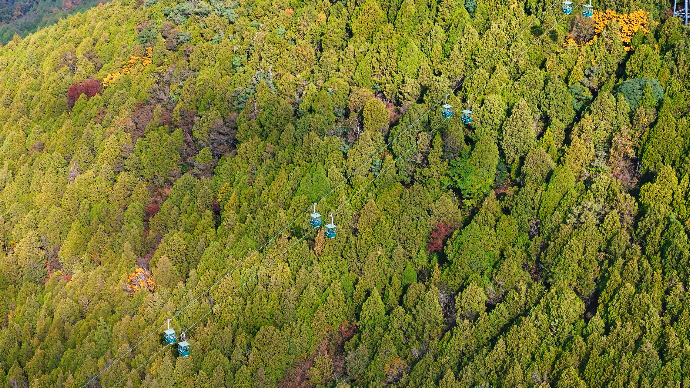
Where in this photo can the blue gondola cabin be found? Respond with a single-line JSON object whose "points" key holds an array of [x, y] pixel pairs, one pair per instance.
{"points": [[169, 336], [587, 10], [183, 349], [447, 111], [466, 117], [315, 219], [567, 7], [329, 232]]}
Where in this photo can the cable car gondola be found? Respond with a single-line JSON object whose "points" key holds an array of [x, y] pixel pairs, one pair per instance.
{"points": [[169, 335], [588, 10], [315, 219], [183, 347], [567, 7], [446, 109], [466, 116], [329, 232]]}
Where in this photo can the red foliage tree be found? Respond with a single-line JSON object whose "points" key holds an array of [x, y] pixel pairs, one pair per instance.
{"points": [[440, 233], [150, 211], [90, 88]]}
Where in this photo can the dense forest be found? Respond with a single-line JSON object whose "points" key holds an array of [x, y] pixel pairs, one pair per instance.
{"points": [[23, 17], [159, 160]]}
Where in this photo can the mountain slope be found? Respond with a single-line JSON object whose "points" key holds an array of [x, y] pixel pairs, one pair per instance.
{"points": [[159, 160], [26, 16]]}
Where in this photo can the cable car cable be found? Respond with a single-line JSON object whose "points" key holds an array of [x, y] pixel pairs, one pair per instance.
{"points": [[372, 180], [425, 113], [327, 194], [256, 274], [466, 116], [180, 311]]}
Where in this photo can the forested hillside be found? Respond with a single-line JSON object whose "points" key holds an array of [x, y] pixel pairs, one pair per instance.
{"points": [[159, 160], [23, 17]]}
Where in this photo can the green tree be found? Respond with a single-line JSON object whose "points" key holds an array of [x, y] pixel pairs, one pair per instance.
{"points": [[31, 258], [73, 247], [518, 136], [556, 101], [663, 145], [474, 173], [633, 90], [165, 273], [367, 18], [472, 252], [375, 116]]}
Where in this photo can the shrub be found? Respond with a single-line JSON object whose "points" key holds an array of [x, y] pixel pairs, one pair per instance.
{"points": [[179, 13], [581, 97], [218, 38], [227, 13], [203, 9]]}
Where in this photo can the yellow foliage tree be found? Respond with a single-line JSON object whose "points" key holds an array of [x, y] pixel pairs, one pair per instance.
{"points": [[129, 67], [630, 23], [140, 279]]}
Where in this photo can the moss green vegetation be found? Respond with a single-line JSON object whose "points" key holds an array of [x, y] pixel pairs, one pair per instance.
{"points": [[545, 244]]}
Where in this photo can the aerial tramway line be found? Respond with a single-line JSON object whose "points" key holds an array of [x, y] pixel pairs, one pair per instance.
{"points": [[315, 220], [447, 112]]}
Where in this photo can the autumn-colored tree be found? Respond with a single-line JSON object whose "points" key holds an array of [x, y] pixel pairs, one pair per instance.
{"points": [[437, 238], [89, 88]]}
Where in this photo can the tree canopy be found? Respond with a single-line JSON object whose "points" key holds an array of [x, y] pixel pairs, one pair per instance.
{"points": [[160, 160]]}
